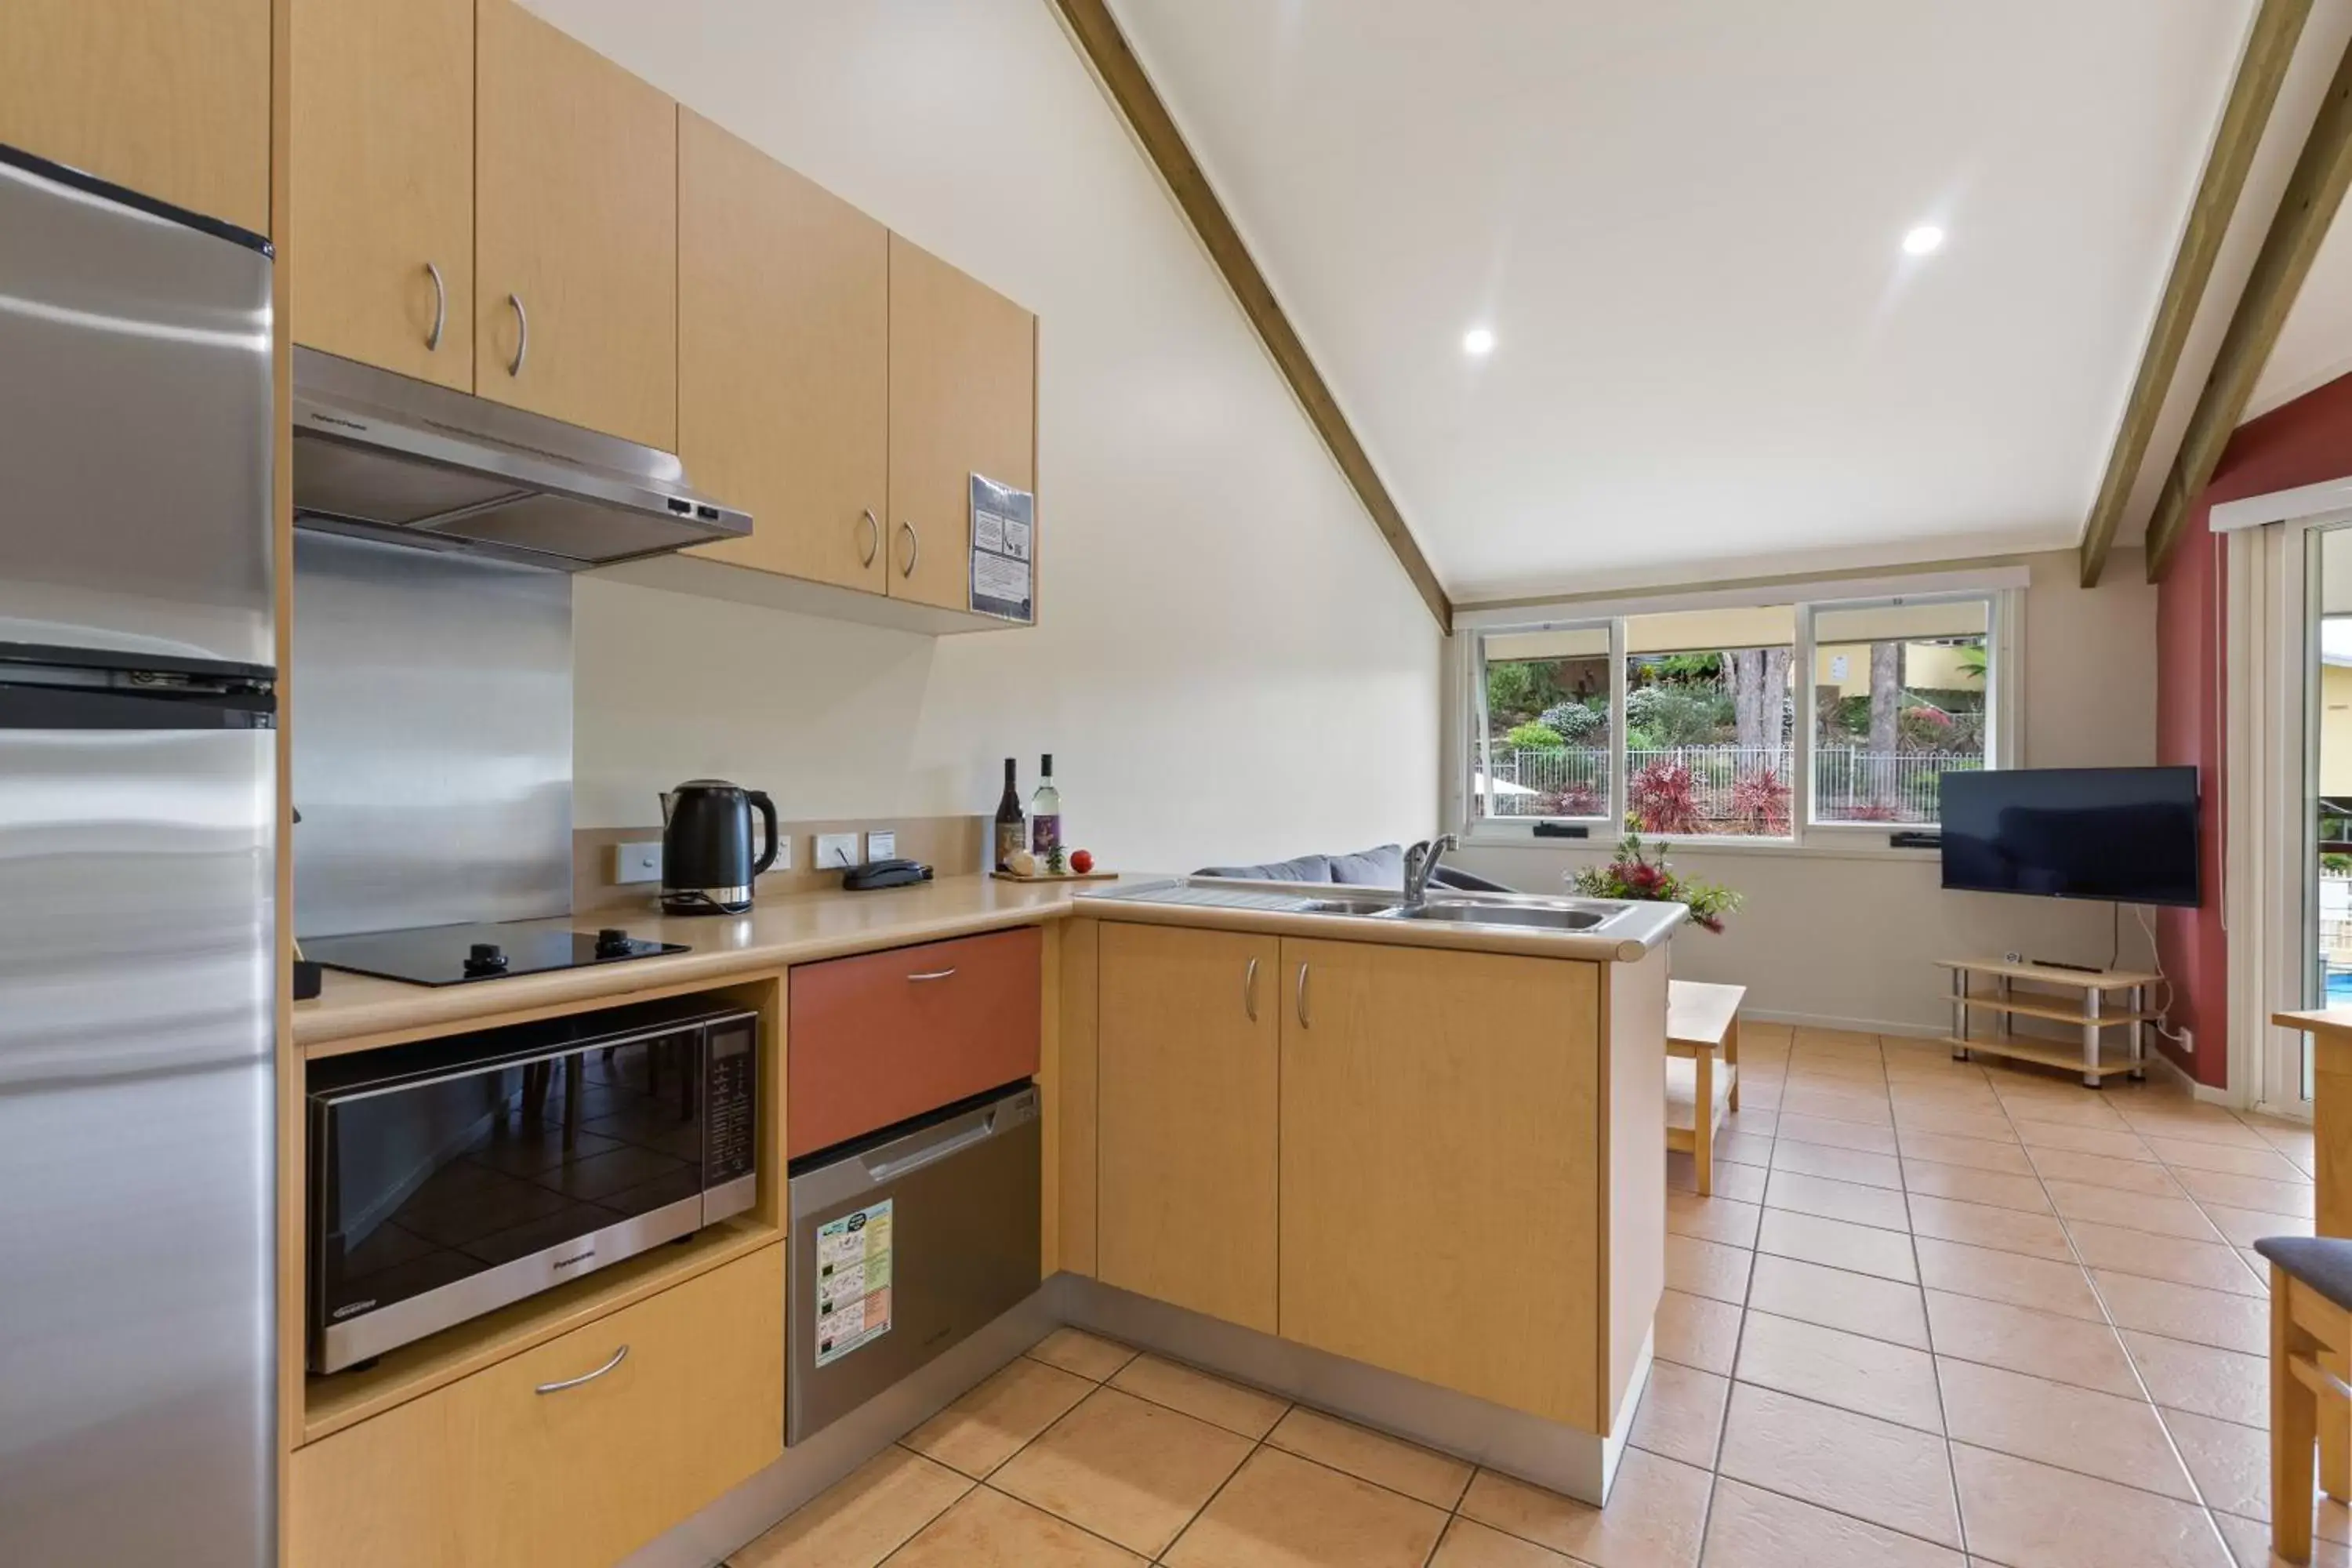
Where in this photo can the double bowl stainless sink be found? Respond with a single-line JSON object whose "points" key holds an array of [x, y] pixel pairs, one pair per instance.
{"points": [[1518, 911]]}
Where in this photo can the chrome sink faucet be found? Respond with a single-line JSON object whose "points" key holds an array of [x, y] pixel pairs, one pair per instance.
{"points": [[1421, 864]]}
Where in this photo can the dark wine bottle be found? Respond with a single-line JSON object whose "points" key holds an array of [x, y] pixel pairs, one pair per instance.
{"points": [[1009, 824]]}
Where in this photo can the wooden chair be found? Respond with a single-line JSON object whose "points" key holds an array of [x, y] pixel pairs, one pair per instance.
{"points": [[2311, 1316], [1701, 1020]]}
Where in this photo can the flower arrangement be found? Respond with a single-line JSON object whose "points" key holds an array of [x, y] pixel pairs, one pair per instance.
{"points": [[1639, 873]]}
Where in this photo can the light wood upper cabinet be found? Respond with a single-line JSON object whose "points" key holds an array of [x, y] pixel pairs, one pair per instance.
{"points": [[1188, 1047], [1440, 1185], [170, 98], [575, 232], [783, 332], [383, 182], [503, 1470], [963, 389]]}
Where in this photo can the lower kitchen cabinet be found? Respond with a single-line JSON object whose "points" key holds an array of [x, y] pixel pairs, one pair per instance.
{"points": [[568, 1455], [1189, 1044], [1440, 1185]]}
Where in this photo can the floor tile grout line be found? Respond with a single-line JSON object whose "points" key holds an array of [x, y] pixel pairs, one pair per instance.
{"points": [[2138, 1377]]}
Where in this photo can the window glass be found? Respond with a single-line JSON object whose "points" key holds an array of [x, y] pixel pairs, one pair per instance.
{"points": [[1898, 701], [1709, 715], [1545, 749]]}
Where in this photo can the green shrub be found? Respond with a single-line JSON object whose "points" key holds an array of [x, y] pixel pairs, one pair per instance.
{"points": [[1534, 738], [1572, 721]]}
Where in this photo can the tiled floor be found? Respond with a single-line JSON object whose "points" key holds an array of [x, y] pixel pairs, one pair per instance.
{"points": [[1936, 1313]]}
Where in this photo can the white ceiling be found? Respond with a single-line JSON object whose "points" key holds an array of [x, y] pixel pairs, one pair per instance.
{"points": [[1683, 221]]}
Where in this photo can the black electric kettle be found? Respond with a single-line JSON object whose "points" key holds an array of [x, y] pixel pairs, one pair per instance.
{"points": [[707, 864]]}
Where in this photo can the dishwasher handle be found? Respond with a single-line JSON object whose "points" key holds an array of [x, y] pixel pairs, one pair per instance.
{"points": [[879, 1171]]}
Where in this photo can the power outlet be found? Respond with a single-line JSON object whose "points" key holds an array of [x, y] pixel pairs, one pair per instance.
{"points": [[784, 854], [638, 862], [835, 851]]}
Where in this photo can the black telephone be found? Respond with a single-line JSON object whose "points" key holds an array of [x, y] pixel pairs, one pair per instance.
{"points": [[884, 874]]}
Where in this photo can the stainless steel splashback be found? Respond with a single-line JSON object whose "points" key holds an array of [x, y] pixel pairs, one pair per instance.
{"points": [[432, 733]]}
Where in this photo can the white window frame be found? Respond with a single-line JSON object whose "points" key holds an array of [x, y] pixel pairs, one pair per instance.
{"points": [[2001, 588]]}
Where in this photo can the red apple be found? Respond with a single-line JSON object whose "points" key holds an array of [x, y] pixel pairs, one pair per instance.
{"points": [[1081, 862]]}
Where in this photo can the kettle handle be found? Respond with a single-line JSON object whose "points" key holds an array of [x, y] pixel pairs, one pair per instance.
{"points": [[768, 817]]}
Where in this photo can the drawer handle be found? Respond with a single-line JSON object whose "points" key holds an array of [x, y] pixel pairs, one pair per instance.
{"points": [[522, 335], [440, 310], [618, 1357], [874, 537], [933, 974], [1249, 991]]}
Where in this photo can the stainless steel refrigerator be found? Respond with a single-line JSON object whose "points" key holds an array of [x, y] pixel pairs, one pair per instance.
{"points": [[137, 845]]}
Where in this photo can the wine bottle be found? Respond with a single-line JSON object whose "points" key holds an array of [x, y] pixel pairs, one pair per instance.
{"points": [[1045, 813], [1010, 826]]}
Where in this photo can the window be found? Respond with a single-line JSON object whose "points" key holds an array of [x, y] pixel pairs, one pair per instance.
{"points": [[1708, 716], [1727, 719], [1898, 701], [1545, 740]]}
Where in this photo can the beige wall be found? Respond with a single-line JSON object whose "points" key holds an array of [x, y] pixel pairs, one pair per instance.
{"points": [[1851, 941], [1231, 664], [1931, 667], [2335, 730]]}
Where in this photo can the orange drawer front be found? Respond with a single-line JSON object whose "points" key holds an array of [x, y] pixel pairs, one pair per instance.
{"points": [[877, 1038]]}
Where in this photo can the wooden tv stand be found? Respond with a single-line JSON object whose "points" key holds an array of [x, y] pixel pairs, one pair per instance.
{"points": [[2074, 996]]}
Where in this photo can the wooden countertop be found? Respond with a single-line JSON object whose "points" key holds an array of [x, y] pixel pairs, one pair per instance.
{"points": [[358, 1012], [355, 1011]]}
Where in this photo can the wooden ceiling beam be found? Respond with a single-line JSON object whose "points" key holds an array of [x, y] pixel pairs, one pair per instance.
{"points": [[1098, 38], [2314, 192], [2269, 47]]}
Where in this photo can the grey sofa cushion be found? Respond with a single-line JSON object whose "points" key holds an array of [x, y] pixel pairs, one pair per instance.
{"points": [[1380, 867], [1304, 868]]}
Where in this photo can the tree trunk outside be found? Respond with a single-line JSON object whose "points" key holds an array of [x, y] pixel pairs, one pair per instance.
{"points": [[1885, 699], [1759, 678]]}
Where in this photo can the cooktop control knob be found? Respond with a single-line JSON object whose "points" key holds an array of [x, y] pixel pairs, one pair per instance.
{"points": [[485, 958], [612, 942]]}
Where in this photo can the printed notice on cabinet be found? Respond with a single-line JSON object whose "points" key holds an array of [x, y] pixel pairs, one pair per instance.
{"points": [[852, 1282], [1003, 552]]}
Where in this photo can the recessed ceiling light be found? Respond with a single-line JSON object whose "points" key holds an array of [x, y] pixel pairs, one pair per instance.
{"points": [[1478, 343], [1922, 239]]}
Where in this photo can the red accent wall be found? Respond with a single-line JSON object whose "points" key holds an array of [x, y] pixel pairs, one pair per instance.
{"points": [[2300, 443]]}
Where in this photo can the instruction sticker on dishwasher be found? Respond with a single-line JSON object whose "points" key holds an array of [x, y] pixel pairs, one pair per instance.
{"points": [[852, 1282]]}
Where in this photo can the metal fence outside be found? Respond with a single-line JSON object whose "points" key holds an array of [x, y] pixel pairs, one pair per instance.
{"points": [[1849, 783]]}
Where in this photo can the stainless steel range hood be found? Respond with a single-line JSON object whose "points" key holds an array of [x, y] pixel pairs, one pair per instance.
{"points": [[380, 455]]}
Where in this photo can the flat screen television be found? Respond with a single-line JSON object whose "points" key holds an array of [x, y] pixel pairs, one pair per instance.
{"points": [[2125, 834]]}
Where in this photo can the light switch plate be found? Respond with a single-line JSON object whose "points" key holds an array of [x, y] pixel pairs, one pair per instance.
{"points": [[881, 845], [835, 850], [638, 862]]}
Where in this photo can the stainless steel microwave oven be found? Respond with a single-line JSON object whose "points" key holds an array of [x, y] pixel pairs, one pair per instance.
{"points": [[453, 1176]]}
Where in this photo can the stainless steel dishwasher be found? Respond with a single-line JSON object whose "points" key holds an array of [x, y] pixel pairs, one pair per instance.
{"points": [[903, 1243]]}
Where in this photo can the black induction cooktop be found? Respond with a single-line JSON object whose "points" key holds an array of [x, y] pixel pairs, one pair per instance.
{"points": [[454, 955]]}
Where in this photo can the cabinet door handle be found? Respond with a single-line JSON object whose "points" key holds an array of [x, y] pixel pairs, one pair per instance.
{"points": [[440, 309], [1302, 996], [914, 547], [522, 335], [618, 1357], [872, 537], [934, 974], [1249, 991]]}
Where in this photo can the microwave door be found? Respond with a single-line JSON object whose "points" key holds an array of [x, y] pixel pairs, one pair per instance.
{"points": [[137, 1117]]}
